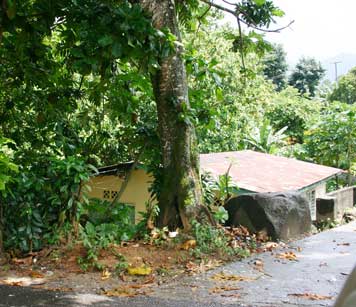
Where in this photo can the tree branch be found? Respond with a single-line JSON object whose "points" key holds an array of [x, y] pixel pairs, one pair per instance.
{"points": [[238, 12]]}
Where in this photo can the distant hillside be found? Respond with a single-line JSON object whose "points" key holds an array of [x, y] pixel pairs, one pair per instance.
{"points": [[348, 61]]}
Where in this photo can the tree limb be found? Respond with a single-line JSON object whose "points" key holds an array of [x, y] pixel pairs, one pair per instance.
{"points": [[239, 12]]}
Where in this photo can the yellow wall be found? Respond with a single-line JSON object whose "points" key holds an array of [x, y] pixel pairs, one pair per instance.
{"points": [[136, 192]]}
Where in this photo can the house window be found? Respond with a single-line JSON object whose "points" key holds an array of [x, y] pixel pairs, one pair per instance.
{"points": [[113, 194], [106, 194], [109, 194]]}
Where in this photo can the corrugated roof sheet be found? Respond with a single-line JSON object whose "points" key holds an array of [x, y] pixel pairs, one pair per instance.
{"points": [[260, 172]]}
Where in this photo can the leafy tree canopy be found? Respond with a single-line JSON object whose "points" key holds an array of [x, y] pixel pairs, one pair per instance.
{"points": [[345, 90], [306, 76], [275, 67]]}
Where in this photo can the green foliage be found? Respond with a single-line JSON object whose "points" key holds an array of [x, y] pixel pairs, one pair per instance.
{"points": [[44, 197], [210, 240], [224, 97], [103, 228], [7, 167], [76, 90], [332, 141], [306, 76], [259, 12], [345, 90], [265, 139], [123, 216], [289, 109], [326, 225], [275, 67], [216, 193]]}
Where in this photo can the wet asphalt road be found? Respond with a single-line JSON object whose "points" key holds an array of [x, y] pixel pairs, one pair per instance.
{"points": [[322, 266]]}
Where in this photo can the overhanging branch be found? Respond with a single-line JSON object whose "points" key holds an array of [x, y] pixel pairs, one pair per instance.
{"points": [[238, 13]]}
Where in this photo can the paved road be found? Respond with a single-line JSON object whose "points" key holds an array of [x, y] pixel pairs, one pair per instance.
{"points": [[323, 263]]}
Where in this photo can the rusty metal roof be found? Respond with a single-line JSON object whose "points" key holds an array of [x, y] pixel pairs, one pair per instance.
{"points": [[260, 172]]}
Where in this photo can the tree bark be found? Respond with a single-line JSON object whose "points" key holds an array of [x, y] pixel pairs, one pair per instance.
{"points": [[180, 199]]}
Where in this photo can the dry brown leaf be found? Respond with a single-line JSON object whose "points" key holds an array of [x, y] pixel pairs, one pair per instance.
{"points": [[23, 281], [230, 277], [269, 246], [105, 274], [25, 261], [343, 244], [188, 244], [203, 266], [258, 265], [288, 256], [235, 295], [311, 296], [35, 274], [127, 290], [262, 236], [194, 288], [122, 292], [223, 289]]}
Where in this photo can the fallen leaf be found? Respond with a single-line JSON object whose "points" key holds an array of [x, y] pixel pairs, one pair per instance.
{"points": [[236, 295], [25, 261], [105, 274], [223, 289], [194, 288], [203, 266], [35, 274], [311, 296], [288, 256], [189, 244], [270, 245], [141, 270], [258, 265], [22, 281], [127, 290], [343, 244], [230, 277], [299, 249], [122, 292], [262, 236]]}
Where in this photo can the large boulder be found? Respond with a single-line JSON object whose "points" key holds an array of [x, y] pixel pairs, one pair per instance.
{"points": [[282, 215]]}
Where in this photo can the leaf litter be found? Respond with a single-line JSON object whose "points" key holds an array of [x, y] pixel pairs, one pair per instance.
{"points": [[311, 296], [230, 277]]}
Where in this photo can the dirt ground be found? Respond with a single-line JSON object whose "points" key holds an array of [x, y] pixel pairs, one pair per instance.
{"points": [[128, 269]]}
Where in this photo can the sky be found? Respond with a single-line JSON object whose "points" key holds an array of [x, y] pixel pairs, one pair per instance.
{"points": [[322, 29]]}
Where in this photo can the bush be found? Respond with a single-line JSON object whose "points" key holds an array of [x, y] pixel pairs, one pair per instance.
{"points": [[45, 198]]}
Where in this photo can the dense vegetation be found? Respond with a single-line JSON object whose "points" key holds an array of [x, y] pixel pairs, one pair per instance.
{"points": [[81, 89]]}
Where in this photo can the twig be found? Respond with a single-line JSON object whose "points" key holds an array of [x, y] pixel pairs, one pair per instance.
{"points": [[200, 19], [239, 12], [241, 44]]}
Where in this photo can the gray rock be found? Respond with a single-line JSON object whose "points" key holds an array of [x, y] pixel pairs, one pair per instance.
{"points": [[282, 215]]}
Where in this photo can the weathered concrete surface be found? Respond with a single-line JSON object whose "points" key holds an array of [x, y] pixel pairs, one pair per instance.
{"points": [[323, 263]]}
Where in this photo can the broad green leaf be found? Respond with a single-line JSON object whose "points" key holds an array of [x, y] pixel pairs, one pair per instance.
{"points": [[260, 2]]}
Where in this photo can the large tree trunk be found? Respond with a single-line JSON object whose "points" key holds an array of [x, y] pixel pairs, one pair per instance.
{"points": [[181, 195]]}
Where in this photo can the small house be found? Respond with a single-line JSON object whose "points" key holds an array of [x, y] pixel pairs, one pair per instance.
{"points": [[253, 172]]}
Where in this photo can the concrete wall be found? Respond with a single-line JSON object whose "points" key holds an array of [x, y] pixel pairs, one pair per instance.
{"points": [[312, 193], [136, 193], [334, 204]]}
